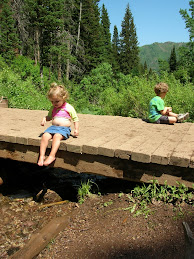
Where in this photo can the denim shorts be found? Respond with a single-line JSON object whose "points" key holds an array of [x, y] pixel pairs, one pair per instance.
{"points": [[162, 120], [64, 131]]}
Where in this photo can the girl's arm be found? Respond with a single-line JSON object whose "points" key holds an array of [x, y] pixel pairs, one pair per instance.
{"points": [[76, 128], [44, 120]]}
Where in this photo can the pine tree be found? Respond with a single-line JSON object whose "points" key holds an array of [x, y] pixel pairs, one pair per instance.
{"points": [[106, 36], [134, 60], [91, 34], [115, 50], [173, 60], [129, 52], [145, 67], [9, 42]]}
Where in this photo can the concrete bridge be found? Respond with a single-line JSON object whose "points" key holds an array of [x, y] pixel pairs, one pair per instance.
{"points": [[113, 146]]}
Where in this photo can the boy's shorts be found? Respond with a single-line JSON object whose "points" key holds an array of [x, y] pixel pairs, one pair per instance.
{"points": [[162, 120]]}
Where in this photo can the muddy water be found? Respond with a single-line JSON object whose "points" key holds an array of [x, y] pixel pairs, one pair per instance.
{"points": [[26, 179]]}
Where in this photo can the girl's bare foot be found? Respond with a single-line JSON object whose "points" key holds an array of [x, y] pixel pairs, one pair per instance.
{"points": [[49, 160], [41, 160]]}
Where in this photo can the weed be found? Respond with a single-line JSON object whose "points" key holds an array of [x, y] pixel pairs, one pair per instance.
{"points": [[142, 196], [121, 194], [52, 241], [108, 203], [85, 190]]}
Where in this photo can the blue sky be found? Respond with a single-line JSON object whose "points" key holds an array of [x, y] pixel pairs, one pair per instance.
{"points": [[155, 20]]}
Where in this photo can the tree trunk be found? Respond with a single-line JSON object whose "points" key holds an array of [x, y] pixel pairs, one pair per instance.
{"points": [[78, 33], [37, 46], [59, 68], [68, 61]]}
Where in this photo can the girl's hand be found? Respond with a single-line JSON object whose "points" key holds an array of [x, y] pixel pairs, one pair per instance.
{"points": [[76, 132], [43, 121]]}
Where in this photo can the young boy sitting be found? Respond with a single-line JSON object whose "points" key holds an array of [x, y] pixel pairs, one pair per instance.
{"points": [[160, 114]]}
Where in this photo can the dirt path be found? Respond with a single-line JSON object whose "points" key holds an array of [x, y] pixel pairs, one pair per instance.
{"points": [[102, 227]]}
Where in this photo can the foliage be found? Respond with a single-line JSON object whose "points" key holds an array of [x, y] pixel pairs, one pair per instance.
{"points": [[98, 93], [128, 95], [189, 19], [9, 42], [180, 96], [20, 87], [25, 68], [96, 82], [142, 196], [84, 190]]}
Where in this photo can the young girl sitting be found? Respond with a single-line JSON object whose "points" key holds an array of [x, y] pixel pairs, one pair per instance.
{"points": [[158, 113], [61, 113]]}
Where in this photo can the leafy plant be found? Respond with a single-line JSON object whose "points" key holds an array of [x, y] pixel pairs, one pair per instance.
{"points": [[85, 190], [142, 196]]}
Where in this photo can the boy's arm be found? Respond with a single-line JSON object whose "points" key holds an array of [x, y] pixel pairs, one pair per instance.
{"points": [[166, 110]]}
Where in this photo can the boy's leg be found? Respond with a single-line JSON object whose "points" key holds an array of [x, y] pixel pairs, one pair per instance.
{"points": [[166, 120], [43, 146], [55, 146], [172, 119], [172, 114]]}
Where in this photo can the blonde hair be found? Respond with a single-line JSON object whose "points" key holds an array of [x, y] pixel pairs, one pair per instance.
{"points": [[161, 88], [59, 91]]}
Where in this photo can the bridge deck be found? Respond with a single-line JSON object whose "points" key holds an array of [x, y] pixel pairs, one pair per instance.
{"points": [[118, 146]]}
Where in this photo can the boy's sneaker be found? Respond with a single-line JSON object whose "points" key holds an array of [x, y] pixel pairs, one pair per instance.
{"points": [[182, 117]]}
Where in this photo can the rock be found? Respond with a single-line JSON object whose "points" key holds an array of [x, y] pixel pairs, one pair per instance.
{"points": [[51, 196], [1, 181]]}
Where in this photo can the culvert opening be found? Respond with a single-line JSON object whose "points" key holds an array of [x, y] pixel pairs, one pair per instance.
{"points": [[23, 179]]}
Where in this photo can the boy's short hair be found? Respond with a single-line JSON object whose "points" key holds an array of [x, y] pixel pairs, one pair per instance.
{"points": [[161, 88]]}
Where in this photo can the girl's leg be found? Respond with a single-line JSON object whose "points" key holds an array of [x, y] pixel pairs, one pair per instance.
{"points": [[55, 146], [43, 145]]}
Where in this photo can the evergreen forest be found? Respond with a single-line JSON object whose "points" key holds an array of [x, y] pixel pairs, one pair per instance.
{"points": [[69, 42]]}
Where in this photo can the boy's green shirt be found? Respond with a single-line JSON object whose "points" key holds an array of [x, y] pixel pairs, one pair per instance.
{"points": [[155, 106]]}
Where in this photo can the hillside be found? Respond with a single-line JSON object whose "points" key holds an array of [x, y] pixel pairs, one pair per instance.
{"points": [[151, 53]]}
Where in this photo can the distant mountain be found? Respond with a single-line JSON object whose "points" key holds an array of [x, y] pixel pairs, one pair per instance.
{"points": [[151, 53]]}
